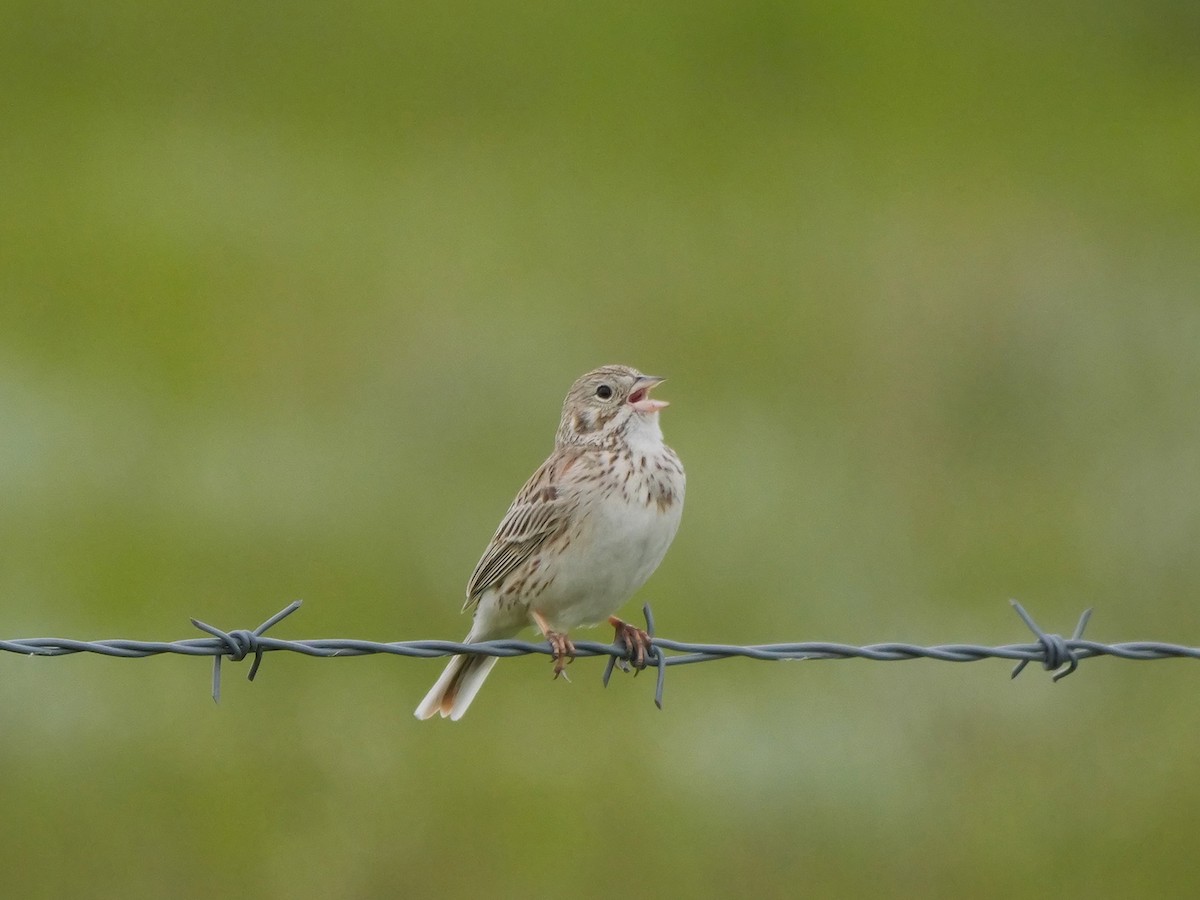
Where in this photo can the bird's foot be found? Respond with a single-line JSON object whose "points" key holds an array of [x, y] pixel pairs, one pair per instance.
{"points": [[563, 652], [636, 641]]}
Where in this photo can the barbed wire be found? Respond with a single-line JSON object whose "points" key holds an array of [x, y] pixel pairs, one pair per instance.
{"points": [[1055, 653]]}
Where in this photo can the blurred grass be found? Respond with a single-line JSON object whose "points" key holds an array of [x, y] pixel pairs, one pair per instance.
{"points": [[288, 302]]}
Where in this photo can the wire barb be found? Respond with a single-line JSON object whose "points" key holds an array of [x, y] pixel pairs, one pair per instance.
{"points": [[1056, 650], [237, 644]]}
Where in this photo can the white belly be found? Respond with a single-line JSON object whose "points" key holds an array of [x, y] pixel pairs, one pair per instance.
{"points": [[618, 547]]}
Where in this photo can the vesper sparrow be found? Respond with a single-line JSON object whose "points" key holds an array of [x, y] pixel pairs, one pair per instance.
{"points": [[584, 533]]}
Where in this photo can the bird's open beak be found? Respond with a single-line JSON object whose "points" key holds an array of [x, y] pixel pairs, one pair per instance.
{"points": [[639, 397]]}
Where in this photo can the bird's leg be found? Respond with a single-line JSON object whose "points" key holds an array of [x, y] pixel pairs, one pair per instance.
{"points": [[562, 650], [636, 641]]}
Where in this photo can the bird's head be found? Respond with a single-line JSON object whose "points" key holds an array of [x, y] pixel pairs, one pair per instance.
{"points": [[606, 404]]}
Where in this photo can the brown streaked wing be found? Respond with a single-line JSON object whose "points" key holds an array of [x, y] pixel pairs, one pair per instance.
{"points": [[538, 511]]}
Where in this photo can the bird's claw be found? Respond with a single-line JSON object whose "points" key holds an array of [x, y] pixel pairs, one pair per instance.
{"points": [[562, 652], [636, 641]]}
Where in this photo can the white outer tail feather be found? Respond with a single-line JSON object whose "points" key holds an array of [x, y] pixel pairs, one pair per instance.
{"points": [[464, 676]]}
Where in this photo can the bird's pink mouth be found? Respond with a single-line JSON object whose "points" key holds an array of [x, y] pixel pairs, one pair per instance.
{"points": [[640, 400]]}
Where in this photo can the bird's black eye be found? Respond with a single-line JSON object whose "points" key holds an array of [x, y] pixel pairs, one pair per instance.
{"points": [[604, 392]]}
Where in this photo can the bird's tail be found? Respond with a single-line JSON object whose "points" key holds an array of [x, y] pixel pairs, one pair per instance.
{"points": [[460, 682]]}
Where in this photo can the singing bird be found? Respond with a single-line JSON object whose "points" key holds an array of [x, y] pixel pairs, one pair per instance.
{"points": [[583, 534]]}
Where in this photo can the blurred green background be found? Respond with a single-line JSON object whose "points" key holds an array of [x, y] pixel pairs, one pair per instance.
{"points": [[289, 298]]}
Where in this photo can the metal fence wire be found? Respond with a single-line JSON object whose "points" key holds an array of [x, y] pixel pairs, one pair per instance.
{"points": [[1054, 652]]}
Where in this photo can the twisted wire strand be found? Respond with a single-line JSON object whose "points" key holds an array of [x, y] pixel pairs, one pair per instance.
{"points": [[1052, 651]]}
